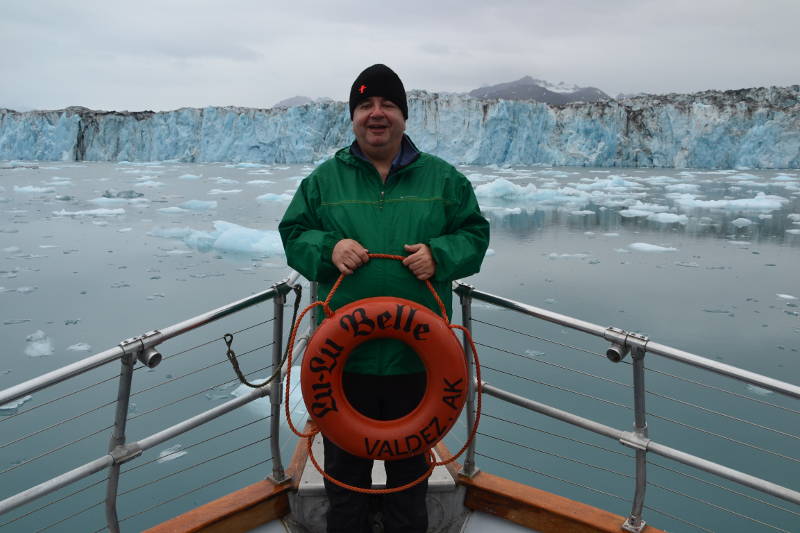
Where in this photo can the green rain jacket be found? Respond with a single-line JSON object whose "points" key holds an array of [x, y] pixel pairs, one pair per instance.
{"points": [[427, 201]]}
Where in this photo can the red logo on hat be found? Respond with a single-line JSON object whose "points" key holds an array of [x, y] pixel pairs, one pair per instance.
{"points": [[362, 89]]}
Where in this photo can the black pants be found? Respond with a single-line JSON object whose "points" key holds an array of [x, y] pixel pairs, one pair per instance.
{"points": [[381, 398]]}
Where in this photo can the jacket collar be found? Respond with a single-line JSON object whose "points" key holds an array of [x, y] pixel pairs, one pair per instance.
{"points": [[407, 155]]}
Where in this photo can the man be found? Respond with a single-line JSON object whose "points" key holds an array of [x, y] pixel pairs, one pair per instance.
{"points": [[382, 195]]}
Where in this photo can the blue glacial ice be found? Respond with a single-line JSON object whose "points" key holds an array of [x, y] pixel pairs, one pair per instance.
{"points": [[753, 128], [227, 237]]}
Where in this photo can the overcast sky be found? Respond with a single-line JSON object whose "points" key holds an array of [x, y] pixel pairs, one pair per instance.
{"points": [[165, 54]]}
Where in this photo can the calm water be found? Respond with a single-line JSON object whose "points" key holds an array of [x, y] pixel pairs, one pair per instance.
{"points": [[706, 261]]}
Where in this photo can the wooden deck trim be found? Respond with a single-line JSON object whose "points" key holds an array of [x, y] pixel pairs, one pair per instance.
{"points": [[536, 509], [236, 512], [244, 509]]}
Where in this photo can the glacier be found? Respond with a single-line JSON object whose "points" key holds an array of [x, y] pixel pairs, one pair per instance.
{"points": [[747, 128]]}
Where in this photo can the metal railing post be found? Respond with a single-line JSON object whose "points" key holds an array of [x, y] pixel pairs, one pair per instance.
{"points": [[465, 298], [117, 441], [634, 523], [276, 389]]}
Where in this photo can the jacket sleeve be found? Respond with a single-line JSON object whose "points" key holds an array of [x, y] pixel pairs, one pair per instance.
{"points": [[307, 244], [459, 252]]}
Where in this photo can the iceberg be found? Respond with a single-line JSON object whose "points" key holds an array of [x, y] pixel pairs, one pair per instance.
{"points": [[747, 128]]}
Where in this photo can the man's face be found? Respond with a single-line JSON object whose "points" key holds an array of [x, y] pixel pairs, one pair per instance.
{"points": [[378, 124]]}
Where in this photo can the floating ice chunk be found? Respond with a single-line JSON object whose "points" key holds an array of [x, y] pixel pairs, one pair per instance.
{"points": [[102, 212], [79, 347], [758, 390], [272, 197], [762, 216], [226, 237], [786, 296], [683, 187], [555, 255], [225, 181], [199, 205], [189, 177], [503, 189], [490, 252], [742, 222], [12, 249], [260, 182], [582, 213], [784, 177], [668, 218], [38, 344], [11, 407], [224, 191], [296, 405], [613, 182], [631, 213], [477, 177], [610, 234], [124, 230], [104, 201], [794, 217], [247, 165], [173, 210], [149, 183], [761, 202], [652, 248], [26, 290], [170, 454], [793, 231], [739, 243], [32, 189]]}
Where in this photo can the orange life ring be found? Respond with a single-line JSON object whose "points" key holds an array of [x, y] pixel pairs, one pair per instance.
{"points": [[375, 318]]}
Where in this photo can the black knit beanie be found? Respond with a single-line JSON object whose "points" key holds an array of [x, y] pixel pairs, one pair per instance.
{"points": [[378, 80]]}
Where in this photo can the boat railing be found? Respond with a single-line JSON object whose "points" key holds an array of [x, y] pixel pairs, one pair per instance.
{"points": [[618, 343], [142, 349]]}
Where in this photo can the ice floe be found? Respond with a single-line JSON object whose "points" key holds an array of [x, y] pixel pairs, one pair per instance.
{"points": [[652, 248], [226, 237], [102, 212], [272, 197], [214, 192], [170, 454], [79, 347], [38, 344]]}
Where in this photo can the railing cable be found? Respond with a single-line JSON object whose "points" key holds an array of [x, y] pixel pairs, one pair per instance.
{"points": [[578, 348], [217, 339], [725, 437], [721, 487], [73, 393], [191, 491], [573, 483], [724, 415], [45, 454], [196, 371], [48, 504], [189, 447], [551, 454], [596, 446], [556, 365], [563, 389], [57, 424], [586, 487], [73, 515], [191, 467], [717, 507], [720, 389]]}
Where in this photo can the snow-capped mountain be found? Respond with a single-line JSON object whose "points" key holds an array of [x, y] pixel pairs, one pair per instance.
{"points": [[528, 88]]}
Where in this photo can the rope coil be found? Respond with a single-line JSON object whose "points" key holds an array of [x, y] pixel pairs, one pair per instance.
{"points": [[310, 435]]}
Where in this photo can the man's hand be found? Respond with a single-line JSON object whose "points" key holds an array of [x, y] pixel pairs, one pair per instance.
{"points": [[420, 262], [348, 255]]}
